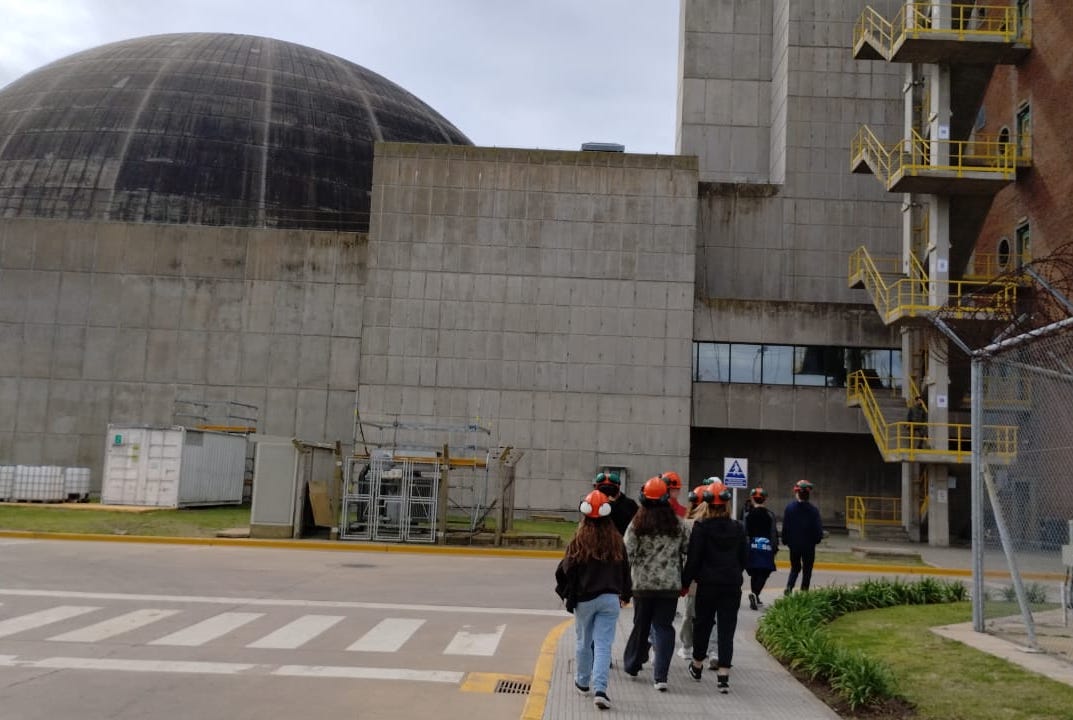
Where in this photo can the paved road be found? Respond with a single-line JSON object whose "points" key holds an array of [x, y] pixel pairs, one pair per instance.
{"points": [[133, 631]]}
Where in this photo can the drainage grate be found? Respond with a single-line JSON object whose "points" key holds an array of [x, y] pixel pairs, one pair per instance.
{"points": [[513, 687]]}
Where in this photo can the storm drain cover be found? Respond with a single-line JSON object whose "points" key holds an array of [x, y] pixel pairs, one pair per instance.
{"points": [[513, 687]]}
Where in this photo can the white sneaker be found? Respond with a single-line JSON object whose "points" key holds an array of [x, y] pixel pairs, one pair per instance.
{"points": [[661, 686], [601, 700], [685, 654]]}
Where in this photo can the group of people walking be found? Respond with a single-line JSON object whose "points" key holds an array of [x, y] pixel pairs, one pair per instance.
{"points": [[651, 552]]}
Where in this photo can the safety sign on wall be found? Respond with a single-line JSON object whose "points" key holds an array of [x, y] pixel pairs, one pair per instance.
{"points": [[736, 472]]}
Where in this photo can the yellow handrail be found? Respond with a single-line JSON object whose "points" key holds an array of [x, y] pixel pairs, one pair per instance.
{"points": [[968, 21], [982, 154], [904, 440], [910, 296]]}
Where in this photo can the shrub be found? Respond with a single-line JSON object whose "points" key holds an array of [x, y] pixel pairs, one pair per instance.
{"points": [[793, 631]]}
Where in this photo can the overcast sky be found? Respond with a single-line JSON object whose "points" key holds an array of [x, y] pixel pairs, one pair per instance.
{"points": [[517, 73]]}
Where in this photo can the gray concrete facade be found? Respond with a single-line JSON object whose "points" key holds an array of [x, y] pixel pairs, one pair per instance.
{"points": [[547, 295], [111, 322], [770, 99]]}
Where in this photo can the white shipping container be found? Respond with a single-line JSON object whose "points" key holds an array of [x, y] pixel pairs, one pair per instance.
{"points": [[43, 483], [7, 481], [75, 482], [172, 467]]}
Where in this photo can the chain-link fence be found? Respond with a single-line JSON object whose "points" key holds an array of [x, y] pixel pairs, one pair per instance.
{"points": [[1026, 502]]}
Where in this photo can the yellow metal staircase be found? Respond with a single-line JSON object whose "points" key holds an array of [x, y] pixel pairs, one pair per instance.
{"points": [[970, 33], [897, 295], [904, 441], [982, 165]]}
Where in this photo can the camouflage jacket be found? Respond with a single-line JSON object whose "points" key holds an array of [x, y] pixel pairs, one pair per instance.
{"points": [[656, 561]]}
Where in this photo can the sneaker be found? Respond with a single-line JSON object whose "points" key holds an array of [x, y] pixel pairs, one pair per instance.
{"points": [[759, 601], [787, 592], [713, 664], [723, 683], [684, 654], [695, 672], [752, 601], [601, 700], [661, 686], [583, 689], [632, 673]]}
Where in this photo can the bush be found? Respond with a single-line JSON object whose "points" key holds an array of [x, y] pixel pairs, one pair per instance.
{"points": [[792, 631]]}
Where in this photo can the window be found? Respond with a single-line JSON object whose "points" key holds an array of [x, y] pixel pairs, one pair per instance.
{"points": [[1024, 130], [712, 362], [1023, 246], [1004, 253], [799, 365]]}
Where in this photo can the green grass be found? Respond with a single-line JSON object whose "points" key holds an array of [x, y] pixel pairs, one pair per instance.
{"points": [[945, 679], [193, 522]]}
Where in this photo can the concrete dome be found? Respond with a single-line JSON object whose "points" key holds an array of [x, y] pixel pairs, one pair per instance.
{"points": [[203, 128]]}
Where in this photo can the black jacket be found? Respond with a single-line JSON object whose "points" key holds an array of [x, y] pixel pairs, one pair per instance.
{"points": [[801, 526], [716, 553], [622, 511], [760, 522], [578, 582]]}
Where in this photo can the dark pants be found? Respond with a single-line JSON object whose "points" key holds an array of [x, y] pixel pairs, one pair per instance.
{"points": [[653, 615], [757, 580], [716, 604], [801, 561]]}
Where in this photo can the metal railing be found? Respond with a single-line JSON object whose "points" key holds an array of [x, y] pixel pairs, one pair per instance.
{"points": [[862, 512], [967, 21], [910, 296], [985, 154], [911, 441]]}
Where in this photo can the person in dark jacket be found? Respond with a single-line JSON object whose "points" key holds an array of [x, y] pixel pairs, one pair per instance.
{"points": [[716, 560], [594, 579], [802, 531], [622, 508], [763, 535], [656, 543]]}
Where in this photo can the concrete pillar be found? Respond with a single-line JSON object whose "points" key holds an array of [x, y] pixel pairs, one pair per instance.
{"points": [[938, 506], [939, 120], [911, 501]]}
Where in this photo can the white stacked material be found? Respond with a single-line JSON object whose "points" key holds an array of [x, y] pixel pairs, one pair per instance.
{"points": [[43, 483], [75, 483], [7, 481]]}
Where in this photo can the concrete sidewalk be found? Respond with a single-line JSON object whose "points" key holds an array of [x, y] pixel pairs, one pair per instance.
{"points": [[759, 686]]}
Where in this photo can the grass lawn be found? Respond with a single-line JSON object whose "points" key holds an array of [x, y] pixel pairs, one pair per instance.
{"points": [[944, 679], [194, 522]]}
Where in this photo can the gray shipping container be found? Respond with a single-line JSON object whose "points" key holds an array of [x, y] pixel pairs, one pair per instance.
{"points": [[172, 467]]}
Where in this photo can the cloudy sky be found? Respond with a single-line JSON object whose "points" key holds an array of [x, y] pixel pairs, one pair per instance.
{"points": [[517, 73]]}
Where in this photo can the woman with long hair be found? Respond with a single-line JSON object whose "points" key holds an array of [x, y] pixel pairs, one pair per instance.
{"points": [[594, 579], [656, 543], [716, 561]]}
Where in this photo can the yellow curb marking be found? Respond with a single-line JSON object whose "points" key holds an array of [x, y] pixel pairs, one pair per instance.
{"points": [[538, 693]]}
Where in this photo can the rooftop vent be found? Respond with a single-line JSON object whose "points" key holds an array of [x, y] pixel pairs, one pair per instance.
{"points": [[603, 147]]}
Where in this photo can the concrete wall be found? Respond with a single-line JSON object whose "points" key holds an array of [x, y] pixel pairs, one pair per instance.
{"points": [[547, 295], [111, 322]]}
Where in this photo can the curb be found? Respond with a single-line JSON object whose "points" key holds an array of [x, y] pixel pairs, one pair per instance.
{"points": [[462, 550], [542, 674]]}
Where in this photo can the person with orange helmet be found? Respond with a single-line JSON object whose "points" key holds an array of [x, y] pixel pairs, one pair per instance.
{"points": [[656, 543], [716, 562], [674, 482], [763, 534], [802, 531], [593, 578], [622, 508], [698, 498]]}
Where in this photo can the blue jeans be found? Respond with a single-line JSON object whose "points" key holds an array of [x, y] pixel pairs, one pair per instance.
{"points": [[594, 622]]}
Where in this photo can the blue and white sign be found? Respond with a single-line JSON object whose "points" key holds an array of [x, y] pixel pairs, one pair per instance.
{"points": [[736, 472]]}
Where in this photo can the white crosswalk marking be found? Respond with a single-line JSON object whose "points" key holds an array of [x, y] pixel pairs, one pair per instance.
{"points": [[297, 633], [207, 630], [474, 643], [116, 626], [41, 618], [388, 635]]}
